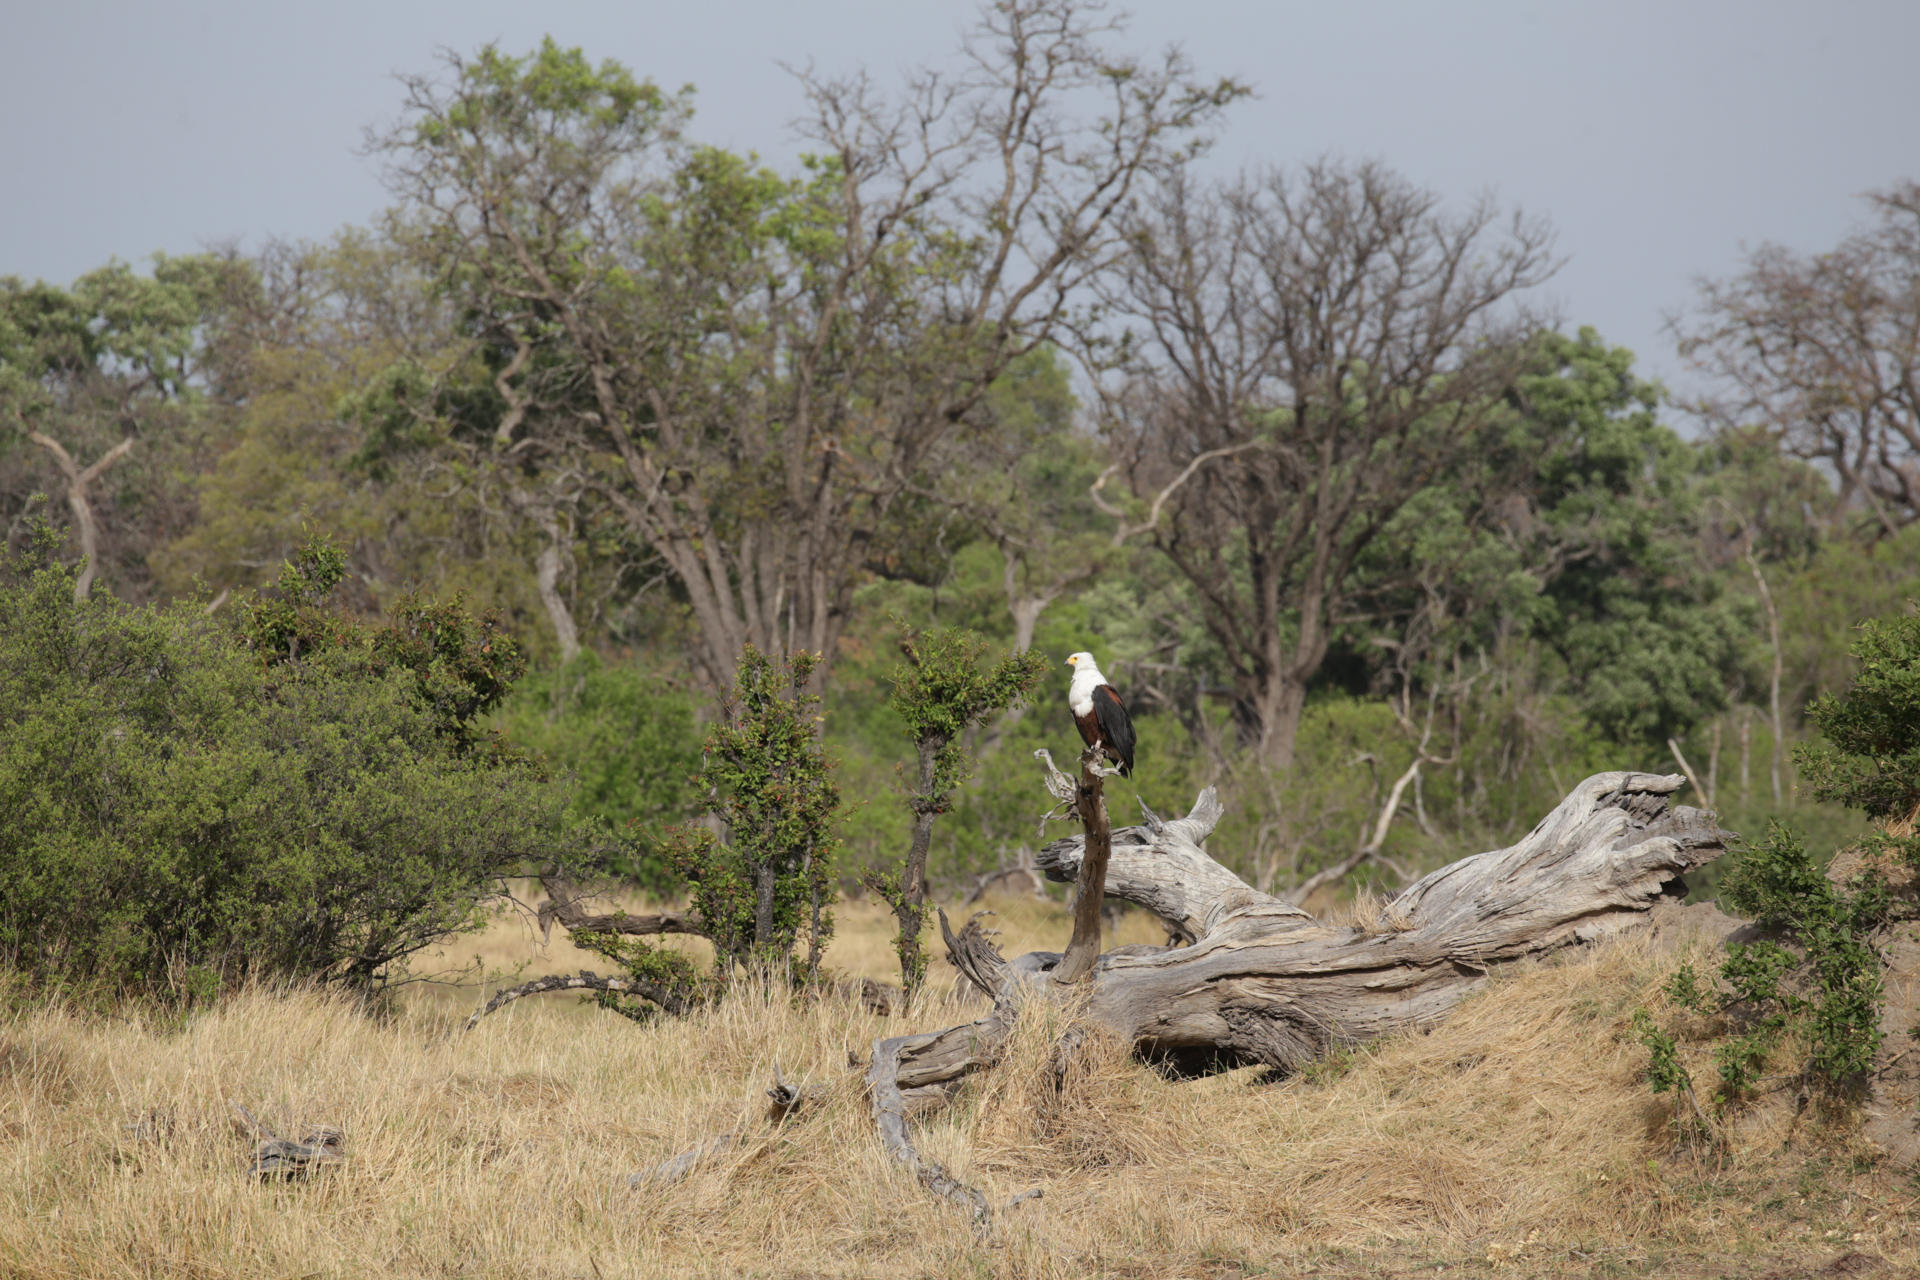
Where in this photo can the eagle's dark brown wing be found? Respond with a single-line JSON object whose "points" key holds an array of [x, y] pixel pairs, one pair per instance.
{"points": [[1116, 727]]}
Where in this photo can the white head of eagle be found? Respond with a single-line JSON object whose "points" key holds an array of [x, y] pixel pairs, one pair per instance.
{"points": [[1097, 709]]}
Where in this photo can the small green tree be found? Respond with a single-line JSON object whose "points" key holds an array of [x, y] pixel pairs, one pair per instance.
{"points": [[1871, 757], [770, 785], [1829, 990], [941, 692]]}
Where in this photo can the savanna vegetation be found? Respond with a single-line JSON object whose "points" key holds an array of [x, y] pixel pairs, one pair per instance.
{"points": [[622, 513]]}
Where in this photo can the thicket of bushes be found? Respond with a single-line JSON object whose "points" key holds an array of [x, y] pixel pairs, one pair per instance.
{"points": [[298, 793]]}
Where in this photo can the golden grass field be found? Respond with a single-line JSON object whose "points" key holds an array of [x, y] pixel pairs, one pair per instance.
{"points": [[1518, 1137]]}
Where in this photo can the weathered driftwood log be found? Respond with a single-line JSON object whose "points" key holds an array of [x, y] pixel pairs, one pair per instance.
{"points": [[674, 1002], [1267, 983], [276, 1157], [1264, 982], [563, 904]]}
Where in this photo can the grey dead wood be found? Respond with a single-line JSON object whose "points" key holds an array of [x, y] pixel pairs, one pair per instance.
{"points": [[563, 904], [669, 1000], [1267, 983], [783, 1102], [920, 1072], [683, 1164], [1022, 879], [78, 478], [276, 1157], [1263, 982]]}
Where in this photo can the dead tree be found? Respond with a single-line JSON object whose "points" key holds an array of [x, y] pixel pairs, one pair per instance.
{"points": [[563, 904], [78, 478], [1266, 983], [1090, 870]]}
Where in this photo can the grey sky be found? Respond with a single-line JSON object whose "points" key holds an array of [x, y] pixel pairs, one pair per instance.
{"points": [[1657, 137]]}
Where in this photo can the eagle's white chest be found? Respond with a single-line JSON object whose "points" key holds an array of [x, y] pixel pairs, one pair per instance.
{"points": [[1080, 692]]}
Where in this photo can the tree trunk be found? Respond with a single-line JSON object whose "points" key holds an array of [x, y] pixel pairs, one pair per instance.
{"points": [[910, 902], [1773, 685], [549, 567], [1026, 612], [1270, 718], [1090, 878], [553, 563], [80, 503], [765, 882], [1266, 983]]}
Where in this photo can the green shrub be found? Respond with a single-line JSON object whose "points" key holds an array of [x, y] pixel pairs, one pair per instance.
{"points": [[1825, 988], [182, 813], [1825, 984], [1871, 757], [770, 785]]}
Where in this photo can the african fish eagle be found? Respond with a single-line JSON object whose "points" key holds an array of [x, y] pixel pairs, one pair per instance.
{"points": [[1097, 709]]}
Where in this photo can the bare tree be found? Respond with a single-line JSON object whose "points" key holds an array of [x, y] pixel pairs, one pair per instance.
{"points": [[1824, 351], [759, 368], [1306, 354]]}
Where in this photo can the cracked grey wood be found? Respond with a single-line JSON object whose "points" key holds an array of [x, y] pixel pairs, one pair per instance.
{"points": [[1267, 983]]}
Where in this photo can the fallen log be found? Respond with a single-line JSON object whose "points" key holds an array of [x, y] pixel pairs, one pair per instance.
{"points": [[276, 1157], [563, 904], [669, 1000], [1265, 983]]}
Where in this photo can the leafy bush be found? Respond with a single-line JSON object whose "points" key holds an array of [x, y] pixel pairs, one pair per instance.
{"points": [[1825, 987], [1828, 992], [771, 787], [1871, 757], [181, 812]]}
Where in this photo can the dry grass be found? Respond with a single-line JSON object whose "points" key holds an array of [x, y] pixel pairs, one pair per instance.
{"points": [[1516, 1136], [1371, 915]]}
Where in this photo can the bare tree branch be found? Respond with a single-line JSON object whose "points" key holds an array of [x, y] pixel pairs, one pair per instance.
{"points": [[81, 504]]}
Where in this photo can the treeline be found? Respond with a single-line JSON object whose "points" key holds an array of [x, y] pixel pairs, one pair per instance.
{"points": [[1361, 534]]}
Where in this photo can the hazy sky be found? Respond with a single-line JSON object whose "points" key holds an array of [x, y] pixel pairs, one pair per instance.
{"points": [[1657, 138]]}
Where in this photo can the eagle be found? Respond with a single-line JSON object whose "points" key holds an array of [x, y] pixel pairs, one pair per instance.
{"points": [[1097, 709]]}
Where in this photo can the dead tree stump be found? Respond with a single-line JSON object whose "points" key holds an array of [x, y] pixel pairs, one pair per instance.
{"points": [[1090, 877]]}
